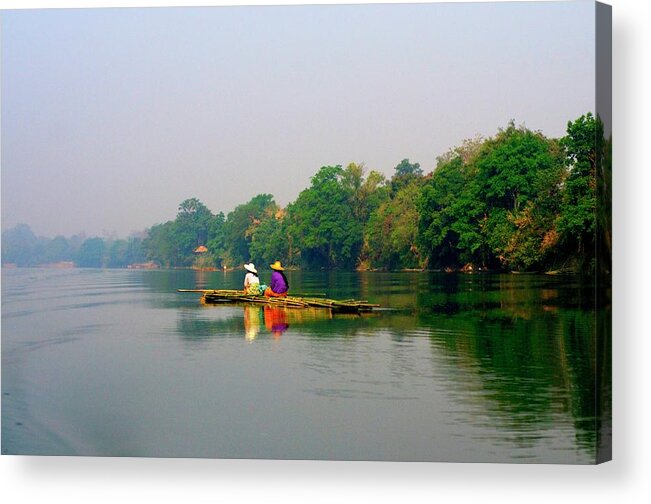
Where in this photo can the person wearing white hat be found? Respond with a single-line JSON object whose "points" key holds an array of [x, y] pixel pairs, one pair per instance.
{"points": [[251, 281]]}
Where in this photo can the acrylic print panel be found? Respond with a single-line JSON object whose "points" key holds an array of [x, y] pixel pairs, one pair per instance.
{"points": [[430, 182]]}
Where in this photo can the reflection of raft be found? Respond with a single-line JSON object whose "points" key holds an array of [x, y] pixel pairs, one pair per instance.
{"points": [[236, 296]]}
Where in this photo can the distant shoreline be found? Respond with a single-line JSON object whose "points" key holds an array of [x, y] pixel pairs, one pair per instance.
{"points": [[145, 267]]}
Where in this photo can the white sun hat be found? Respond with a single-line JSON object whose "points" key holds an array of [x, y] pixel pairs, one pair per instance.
{"points": [[250, 267]]}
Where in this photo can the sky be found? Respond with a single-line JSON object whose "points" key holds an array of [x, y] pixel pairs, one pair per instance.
{"points": [[112, 117]]}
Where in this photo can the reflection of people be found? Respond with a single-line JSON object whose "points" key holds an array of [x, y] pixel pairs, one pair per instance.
{"points": [[251, 322], [275, 320], [279, 284], [251, 281]]}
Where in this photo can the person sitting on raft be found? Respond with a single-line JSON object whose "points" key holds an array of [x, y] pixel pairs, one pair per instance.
{"points": [[252, 281], [279, 284]]}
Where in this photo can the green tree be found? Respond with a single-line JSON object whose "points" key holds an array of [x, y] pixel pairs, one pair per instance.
{"points": [[58, 249], [173, 243], [452, 213], [91, 253], [191, 229], [534, 243], [241, 224], [365, 192], [512, 168], [604, 209], [405, 172], [323, 225], [494, 205], [217, 239], [19, 245], [121, 253], [447, 227], [583, 146], [271, 241], [392, 227], [161, 246], [392, 230]]}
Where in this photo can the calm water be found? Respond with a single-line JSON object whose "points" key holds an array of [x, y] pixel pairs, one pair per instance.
{"points": [[501, 368]]}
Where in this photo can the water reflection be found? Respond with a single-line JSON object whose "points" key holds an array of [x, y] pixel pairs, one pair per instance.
{"points": [[492, 367], [226, 320], [252, 324], [523, 351], [519, 372], [275, 320]]}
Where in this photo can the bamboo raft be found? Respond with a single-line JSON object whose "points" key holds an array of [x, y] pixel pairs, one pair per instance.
{"points": [[212, 296]]}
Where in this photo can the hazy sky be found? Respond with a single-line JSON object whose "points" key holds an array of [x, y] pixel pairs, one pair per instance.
{"points": [[112, 117]]}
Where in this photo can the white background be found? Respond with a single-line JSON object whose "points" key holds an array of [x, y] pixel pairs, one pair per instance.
{"points": [[626, 479]]}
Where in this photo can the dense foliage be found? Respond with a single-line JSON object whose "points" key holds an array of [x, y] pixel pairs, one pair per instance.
{"points": [[516, 201], [174, 242], [496, 207]]}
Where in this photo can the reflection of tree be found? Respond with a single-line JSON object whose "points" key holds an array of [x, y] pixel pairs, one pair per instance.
{"points": [[522, 350], [529, 340], [193, 327], [534, 363], [604, 383]]}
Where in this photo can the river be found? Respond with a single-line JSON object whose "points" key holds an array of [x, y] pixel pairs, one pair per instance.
{"points": [[459, 368]]}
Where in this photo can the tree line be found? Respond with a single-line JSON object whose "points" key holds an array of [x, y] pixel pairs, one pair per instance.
{"points": [[515, 201]]}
